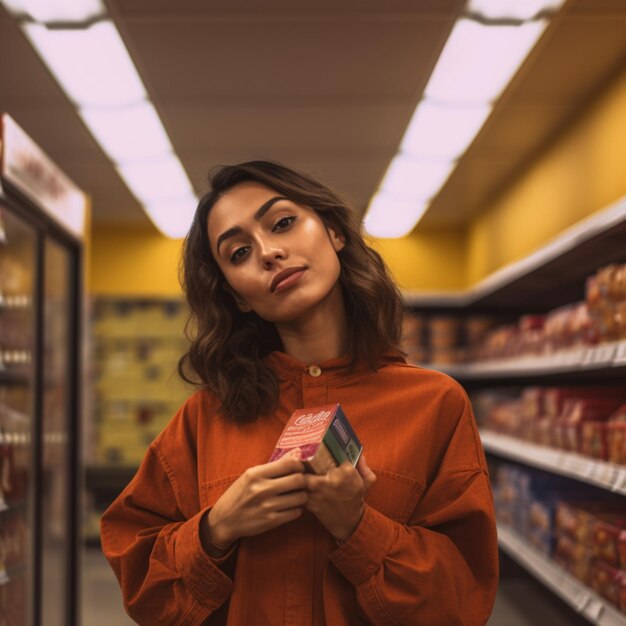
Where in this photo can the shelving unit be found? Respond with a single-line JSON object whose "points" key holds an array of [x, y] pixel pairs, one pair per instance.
{"points": [[605, 475], [553, 276], [583, 599], [605, 362], [13, 378]]}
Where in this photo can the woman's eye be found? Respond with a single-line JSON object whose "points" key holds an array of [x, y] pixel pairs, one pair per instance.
{"points": [[284, 222], [238, 254]]}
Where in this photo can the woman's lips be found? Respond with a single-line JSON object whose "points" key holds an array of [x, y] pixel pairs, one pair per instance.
{"points": [[291, 279]]}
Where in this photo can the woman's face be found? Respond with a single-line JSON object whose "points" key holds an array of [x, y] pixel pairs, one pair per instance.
{"points": [[278, 257]]}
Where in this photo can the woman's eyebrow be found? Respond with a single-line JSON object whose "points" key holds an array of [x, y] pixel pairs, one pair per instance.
{"points": [[260, 212]]}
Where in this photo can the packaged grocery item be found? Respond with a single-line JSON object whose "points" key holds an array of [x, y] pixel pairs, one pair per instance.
{"points": [[541, 539], [505, 417], [606, 299], [444, 332], [575, 557], [476, 328], [577, 411], [412, 340], [616, 436], [324, 437], [574, 520], [611, 282], [565, 327], [607, 581], [594, 440], [608, 538]]}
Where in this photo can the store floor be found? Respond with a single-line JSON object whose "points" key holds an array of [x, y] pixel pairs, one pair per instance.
{"points": [[521, 601]]}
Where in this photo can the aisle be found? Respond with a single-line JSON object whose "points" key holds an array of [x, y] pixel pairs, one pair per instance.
{"points": [[101, 602], [521, 601]]}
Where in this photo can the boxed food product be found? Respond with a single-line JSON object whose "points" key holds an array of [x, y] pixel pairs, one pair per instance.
{"points": [[611, 282], [562, 328], [505, 417], [444, 332], [616, 436], [324, 437], [412, 341], [576, 411], [532, 402], [610, 320], [594, 440], [476, 328], [574, 520], [540, 539], [608, 538], [575, 557], [607, 581]]}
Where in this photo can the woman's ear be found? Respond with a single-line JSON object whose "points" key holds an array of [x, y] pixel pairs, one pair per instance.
{"points": [[338, 240], [242, 305]]}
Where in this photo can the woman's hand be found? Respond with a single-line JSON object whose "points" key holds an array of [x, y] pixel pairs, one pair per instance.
{"points": [[263, 497], [337, 499]]}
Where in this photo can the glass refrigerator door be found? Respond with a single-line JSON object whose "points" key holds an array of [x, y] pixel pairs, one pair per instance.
{"points": [[57, 453], [18, 247]]}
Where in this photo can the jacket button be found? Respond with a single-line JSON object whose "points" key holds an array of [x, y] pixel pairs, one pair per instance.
{"points": [[315, 370]]}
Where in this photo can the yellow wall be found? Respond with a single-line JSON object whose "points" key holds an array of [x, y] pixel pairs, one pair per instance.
{"points": [[431, 261], [142, 262], [132, 262], [581, 174]]}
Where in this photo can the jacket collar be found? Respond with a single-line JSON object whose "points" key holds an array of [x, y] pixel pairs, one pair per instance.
{"points": [[332, 372]]}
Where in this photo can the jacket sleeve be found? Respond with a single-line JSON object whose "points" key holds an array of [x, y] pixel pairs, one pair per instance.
{"points": [[441, 568], [151, 538]]}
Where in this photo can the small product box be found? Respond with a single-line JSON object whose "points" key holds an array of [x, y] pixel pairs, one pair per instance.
{"points": [[324, 437]]}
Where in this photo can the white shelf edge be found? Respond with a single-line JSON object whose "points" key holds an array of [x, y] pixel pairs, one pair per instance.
{"points": [[608, 476], [583, 599], [580, 232], [602, 356]]}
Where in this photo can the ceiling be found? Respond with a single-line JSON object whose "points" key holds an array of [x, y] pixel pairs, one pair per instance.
{"points": [[325, 86]]}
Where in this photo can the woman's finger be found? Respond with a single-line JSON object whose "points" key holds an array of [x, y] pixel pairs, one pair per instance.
{"points": [[288, 464], [287, 501], [364, 470]]}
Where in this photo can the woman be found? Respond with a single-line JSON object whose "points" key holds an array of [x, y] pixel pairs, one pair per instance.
{"points": [[290, 309]]}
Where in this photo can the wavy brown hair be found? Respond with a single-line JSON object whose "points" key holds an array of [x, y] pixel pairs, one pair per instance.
{"points": [[227, 346]]}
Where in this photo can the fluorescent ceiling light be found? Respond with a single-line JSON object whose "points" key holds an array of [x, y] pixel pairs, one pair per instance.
{"points": [[173, 216], [163, 178], [416, 178], [92, 65], [513, 9], [443, 132], [48, 11], [390, 216], [129, 134], [478, 61]]}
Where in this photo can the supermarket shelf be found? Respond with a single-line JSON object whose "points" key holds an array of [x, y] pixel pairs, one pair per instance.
{"points": [[14, 506], [16, 417], [583, 599], [8, 377], [13, 572], [605, 475], [605, 362], [139, 338], [550, 277]]}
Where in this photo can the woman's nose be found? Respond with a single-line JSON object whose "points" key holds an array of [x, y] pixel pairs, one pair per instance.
{"points": [[271, 254]]}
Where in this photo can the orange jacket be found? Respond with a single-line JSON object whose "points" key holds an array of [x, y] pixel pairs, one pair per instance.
{"points": [[425, 551]]}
